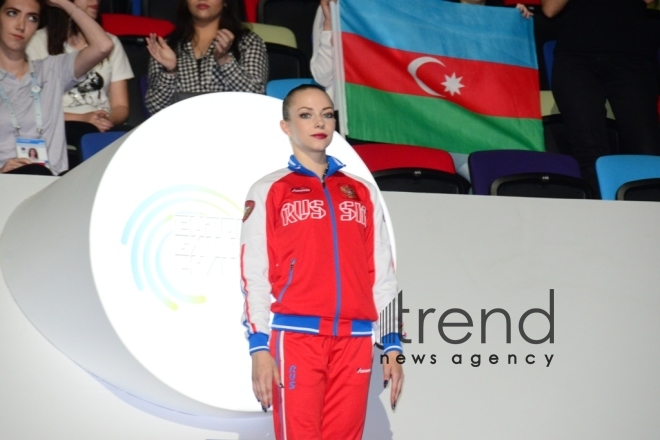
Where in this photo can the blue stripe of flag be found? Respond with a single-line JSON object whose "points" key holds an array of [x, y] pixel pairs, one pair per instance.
{"points": [[436, 27]]}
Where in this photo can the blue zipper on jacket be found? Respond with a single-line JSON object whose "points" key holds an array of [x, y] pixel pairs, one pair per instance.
{"points": [[335, 242], [288, 282], [334, 165]]}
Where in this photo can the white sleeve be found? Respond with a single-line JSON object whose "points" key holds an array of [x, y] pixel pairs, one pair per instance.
{"points": [[254, 262], [121, 67], [37, 48], [322, 65], [385, 286]]}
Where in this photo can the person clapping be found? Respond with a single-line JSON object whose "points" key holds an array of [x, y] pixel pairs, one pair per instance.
{"points": [[209, 51]]}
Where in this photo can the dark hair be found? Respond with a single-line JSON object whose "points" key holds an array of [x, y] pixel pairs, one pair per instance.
{"points": [[286, 104], [42, 4], [185, 28], [58, 27]]}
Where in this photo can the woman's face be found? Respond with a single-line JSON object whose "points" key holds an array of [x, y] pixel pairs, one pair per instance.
{"points": [[206, 10], [19, 20], [91, 7], [312, 121]]}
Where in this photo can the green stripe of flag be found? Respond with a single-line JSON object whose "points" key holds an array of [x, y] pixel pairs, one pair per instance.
{"points": [[395, 118]]}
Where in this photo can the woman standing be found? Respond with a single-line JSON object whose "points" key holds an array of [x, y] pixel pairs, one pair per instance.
{"points": [[31, 92], [209, 51], [605, 52], [100, 102], [314, 238]]}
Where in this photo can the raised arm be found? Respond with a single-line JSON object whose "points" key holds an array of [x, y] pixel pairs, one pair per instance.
{"points": [[553, 7], [322, 65], [99, 44]]}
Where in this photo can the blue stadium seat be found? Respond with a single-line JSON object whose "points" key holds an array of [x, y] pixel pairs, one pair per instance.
{"points": [[92, 143], [616, 173], [549, 57], [278, 88]]}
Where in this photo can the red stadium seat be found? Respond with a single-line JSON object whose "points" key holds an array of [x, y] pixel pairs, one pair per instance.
{"points": [[379, 157], [412, 169], [133, 25], [251, 10]]}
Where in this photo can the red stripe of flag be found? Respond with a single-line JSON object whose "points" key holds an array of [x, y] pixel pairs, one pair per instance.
{"points": [[492, 89]]}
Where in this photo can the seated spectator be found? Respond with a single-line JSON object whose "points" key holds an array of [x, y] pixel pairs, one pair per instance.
{"points": [[209, 51], [100, 102], [605, 51], [31, 115]]}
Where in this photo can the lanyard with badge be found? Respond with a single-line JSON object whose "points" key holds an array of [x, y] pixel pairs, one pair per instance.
{"points": [[32, 148]]}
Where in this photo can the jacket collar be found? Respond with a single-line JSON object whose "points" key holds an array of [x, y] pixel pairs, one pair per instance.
{"points": [[334, 165]]}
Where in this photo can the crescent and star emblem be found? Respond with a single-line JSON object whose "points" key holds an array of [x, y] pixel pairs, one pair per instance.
{"points": [[452, 83]]}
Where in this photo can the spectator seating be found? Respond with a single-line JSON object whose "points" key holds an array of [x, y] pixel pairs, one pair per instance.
{"points": [[162, 9], [527, 174], [297, 15], [132, 25], [286, 62], [556, 138], [279, 88], [166, 9], [548, 104], [115, 6], [412, 169], [144, 85], [629, 177], [549, 58], [92, 143], [138, 56], [274, 34], [131, 31], [251, 7]]}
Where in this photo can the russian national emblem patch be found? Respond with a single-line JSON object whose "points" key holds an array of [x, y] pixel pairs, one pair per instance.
{"points": [[348, 191], [249, 207]]}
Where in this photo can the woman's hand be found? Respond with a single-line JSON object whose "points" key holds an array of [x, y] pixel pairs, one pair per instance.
{"points": [[222, 46], [99, 119], [14, 163], [161, 52], [327, 18], [524, 11], [264, 372], [393, 374]]}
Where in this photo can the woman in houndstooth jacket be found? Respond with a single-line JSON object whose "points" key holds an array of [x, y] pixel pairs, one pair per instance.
{"points": [[209, 51]]}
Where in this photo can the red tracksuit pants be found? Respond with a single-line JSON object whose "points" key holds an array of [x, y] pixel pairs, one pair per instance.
{"points": [[326, 385]]}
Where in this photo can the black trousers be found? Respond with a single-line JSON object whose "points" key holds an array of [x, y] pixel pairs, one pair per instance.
{"points": [[582, 82]]}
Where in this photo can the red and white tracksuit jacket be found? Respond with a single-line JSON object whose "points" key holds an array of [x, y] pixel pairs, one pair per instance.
{"points": [[320, 249]]}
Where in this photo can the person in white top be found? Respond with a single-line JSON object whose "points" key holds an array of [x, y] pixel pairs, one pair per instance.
{"points": [[30, 109], [322, 65], [102, 98]]}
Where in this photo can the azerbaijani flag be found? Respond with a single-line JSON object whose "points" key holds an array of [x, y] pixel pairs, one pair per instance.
{"points": [[458, 77]]}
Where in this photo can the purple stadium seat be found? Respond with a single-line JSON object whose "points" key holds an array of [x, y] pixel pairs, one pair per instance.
{"points": [[527, 174]]}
